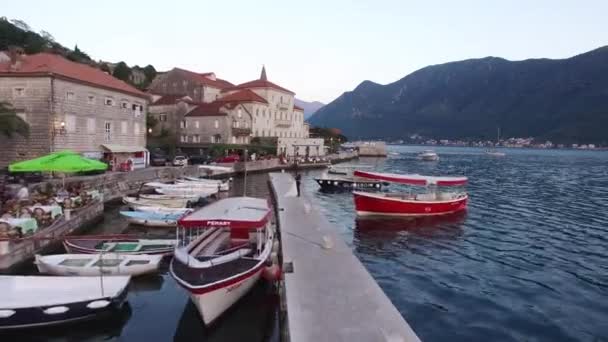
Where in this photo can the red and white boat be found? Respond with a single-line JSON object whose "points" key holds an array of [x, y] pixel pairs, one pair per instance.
{"points": [[222, 252], [410, 204]]}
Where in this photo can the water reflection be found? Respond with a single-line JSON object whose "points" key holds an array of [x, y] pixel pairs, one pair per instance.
{"points": [[443, 226], [251, 314]]}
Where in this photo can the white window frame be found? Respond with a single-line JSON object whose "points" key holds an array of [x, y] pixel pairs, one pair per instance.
{"points": [[124, 127], [124, 105], [70, 123], [109, 101], [107, 131], [216, 124], [196, 124], [70, 96], [162, 117], [136, 128], [91, 99], [91, 127]]}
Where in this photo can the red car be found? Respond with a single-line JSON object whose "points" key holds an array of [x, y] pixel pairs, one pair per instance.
{"points": [[229, 159]]}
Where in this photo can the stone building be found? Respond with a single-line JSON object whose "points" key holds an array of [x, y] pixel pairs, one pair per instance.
{"points": [[269, 107], [72, 106]]}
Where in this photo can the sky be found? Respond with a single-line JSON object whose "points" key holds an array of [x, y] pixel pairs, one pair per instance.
{"points": [[318, 49]]}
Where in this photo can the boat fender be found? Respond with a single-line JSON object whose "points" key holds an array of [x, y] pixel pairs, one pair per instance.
{"points": [[274, 258], [272, 273], [55, 310]]}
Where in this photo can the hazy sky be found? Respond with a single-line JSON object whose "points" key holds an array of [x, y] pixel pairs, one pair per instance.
{"points": [[318, 49]]}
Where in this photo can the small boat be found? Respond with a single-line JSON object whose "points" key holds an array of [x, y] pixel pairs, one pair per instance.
{"points": [[428, 155], [122, 246], [408, 204], [164, 210], [337, 171], [35, 301], [134, 202], [97, 264], [332, 184], [188, 191], [157, 197], [493, 152], [151, 219], [201, 182], [190, 185], [223, 252]]}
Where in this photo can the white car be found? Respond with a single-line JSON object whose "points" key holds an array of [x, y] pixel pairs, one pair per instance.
{"points": [[180, 161]]}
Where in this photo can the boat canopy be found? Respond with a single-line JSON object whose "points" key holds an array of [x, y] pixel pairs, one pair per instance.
{"points": [[233, 213], [412, 179]]}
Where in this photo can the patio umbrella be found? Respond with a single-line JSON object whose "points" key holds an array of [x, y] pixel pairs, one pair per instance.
{"points": [[63, 161]]}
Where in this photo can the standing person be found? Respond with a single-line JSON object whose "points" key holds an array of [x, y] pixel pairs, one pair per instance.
{"points": [[23, 193], [298, 181]]}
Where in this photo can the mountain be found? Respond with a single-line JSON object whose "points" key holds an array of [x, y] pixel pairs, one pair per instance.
{"points": [[309, 107], [563, 100]]}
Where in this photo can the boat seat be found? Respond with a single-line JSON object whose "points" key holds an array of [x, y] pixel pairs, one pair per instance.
{"points": [[208, 235], [426, 197], [214, 244]]}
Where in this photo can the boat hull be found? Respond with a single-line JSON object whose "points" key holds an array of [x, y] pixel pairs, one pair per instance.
{"points": [[46, 265], [74, 246], [39, 315], [340, 184], [213, 304], [367, 204]]}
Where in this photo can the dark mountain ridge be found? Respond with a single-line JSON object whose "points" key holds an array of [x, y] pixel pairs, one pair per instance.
{"points": [[564, 100]]}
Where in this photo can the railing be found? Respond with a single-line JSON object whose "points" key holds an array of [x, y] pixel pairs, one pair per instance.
{"points": [[283, 106], [241, 131], [282, 123]]}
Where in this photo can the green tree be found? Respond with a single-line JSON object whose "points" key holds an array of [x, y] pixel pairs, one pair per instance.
{"points": [[11, 123], [150, 73], [78, 55], [105, 68], [122, 71], [151, 121]]}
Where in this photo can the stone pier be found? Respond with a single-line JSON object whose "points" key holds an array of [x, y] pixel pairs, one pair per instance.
{"points": [[328, 294]]}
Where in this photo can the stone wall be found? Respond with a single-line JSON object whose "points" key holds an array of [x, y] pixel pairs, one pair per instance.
{"points": [[32, 105]]}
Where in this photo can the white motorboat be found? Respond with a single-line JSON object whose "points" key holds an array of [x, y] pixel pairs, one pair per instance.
{"points": [[187, 191], [428, 155], [208, 183], [185, 184], [164, 210], [34, 301], [157, 197], [151, 219], [134, 202], [111, 264], [222, 253]]}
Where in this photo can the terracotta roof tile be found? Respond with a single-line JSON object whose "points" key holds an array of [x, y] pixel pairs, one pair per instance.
{"points": [[244, 95], [207, 109], [46, 64], [258, 84], [204, 79]]}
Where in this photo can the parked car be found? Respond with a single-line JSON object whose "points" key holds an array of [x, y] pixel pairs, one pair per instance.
{"points": [[199, 159], [180, 161], [158, 160], [228, 159]]}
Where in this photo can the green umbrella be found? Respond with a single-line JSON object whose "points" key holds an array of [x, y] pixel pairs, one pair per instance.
{"points": [[63, 161]]}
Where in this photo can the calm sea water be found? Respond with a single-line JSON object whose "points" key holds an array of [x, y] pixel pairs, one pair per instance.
{"points": [[528, 261]]}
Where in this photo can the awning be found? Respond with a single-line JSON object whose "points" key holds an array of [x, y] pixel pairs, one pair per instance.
{"points": [[122, 149]]}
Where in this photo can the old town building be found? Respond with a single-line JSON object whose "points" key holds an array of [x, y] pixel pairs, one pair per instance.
{"points": [[201, 109], [72, 106]]}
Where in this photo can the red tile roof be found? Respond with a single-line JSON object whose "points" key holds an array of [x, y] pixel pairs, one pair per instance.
{"points": [[258, 84], [47, 64], [168, 99], [204, 79], [244, 95], [207, 109], [297, 108]]}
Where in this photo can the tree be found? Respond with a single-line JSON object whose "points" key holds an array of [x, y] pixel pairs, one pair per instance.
{"points": [[47, 36], [105, 68], [151, 121], [78, 55], [11, 123], [21, 24], [122, 71], [150, 73]]}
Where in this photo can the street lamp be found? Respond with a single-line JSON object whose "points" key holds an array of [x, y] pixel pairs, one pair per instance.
{"points": [[149, 130]]}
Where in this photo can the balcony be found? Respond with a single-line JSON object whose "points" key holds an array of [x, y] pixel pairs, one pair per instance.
{"points": [[283, 106], [241, 131], [282, 123]]}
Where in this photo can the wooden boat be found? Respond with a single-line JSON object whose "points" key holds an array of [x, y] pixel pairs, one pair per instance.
{"points": [[222, 264], [188, 191], [34, 301], [406, 204], [122, 246], [348, 183], [428, 155], [97, 264], [134, 202], [164, 210], [151, 219], [201, 182]]}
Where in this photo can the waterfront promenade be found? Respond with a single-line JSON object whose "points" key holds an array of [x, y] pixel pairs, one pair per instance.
{"points": [[328, 293]]}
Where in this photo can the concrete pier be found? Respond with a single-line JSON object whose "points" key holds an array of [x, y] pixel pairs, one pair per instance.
{"points": [[328, 293]]}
